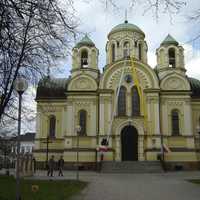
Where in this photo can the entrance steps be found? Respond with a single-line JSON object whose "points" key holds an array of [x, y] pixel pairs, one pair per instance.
{"points": [[131, 167]]}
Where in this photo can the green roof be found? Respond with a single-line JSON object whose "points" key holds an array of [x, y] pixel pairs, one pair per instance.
{"points": [[195, 86], [85, 41], [49, 87], [126, 27], [169, 40]]}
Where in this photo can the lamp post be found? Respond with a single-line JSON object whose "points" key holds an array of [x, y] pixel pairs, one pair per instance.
{"points": [[47, 150], [78, 129], [20, 85]]}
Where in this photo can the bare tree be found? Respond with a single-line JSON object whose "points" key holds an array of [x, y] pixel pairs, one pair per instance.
{"points": [[157, 6], [33, 35]]}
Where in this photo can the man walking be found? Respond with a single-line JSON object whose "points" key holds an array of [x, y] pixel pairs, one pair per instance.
{"points": [[60, 166], [34, 164], [51, 166]]}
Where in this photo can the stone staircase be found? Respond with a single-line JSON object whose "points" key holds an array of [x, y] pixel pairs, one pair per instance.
{"points": [[131, 167]]}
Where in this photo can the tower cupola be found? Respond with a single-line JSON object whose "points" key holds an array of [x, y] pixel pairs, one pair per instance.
{"points": [[170, 56], [85, 54], [126, 40]]}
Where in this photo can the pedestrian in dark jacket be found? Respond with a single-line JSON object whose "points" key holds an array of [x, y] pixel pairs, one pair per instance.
{"points": [[51, 166], [60, 166], [34, 164]]}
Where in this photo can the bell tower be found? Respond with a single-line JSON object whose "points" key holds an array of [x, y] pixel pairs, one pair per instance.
{"points": [[170, 56], [85, 55]]}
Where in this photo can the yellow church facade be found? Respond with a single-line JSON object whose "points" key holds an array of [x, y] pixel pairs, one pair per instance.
{"points": [[138, 109]]}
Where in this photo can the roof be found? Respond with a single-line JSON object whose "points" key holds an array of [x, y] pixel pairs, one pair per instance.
{"points": [[126, 27], [49, 87], [85, 41], [195, 86], [169, 40]]}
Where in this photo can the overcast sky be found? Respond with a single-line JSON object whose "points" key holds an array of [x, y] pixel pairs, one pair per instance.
{"points": [[97, 21]]}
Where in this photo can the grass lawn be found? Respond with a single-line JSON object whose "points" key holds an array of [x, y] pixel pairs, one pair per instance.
{"points": [[196, 181], [48, 189]]}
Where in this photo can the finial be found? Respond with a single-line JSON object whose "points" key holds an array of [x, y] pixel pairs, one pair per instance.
{"points": [[126, 20]]}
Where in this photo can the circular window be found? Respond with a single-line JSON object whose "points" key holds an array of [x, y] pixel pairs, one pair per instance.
{"points": [[128, 78]]}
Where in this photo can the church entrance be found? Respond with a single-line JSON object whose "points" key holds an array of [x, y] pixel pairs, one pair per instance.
{"points": [[129, 143]]}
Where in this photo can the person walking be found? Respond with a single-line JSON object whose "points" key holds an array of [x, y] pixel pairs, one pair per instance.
{"points": [[60, 166], [51, 166], [34, 164]]}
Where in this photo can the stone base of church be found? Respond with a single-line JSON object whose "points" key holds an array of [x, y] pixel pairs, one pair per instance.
{"points": [[92, 166], [179, 166]]}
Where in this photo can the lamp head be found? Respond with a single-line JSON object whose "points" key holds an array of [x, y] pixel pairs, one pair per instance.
{"points": [[20, 84]]}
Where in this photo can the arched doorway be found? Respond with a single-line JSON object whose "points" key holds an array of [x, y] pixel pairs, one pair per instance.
{"points": [[129, 143]]}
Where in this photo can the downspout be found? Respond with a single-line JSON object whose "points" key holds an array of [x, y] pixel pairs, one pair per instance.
{"points": [[162, 159], [98, 117]]}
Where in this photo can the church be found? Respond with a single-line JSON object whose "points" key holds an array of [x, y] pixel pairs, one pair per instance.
{"points": [[136, 110]]}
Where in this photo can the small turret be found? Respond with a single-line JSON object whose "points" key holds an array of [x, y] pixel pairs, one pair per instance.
{"points": [[85, 54], [170, 55]]}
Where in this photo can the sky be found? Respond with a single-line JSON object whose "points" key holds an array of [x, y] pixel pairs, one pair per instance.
{"points": [[96, 20]]}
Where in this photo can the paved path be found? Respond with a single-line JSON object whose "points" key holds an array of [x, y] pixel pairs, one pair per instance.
{"points": [[168, 186]]}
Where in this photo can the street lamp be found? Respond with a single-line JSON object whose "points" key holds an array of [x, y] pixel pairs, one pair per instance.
{"points": [[20, 85], [78, 130]]}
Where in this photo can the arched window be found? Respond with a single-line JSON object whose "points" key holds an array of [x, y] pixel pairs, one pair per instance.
{"points": [[113, 52], [122, 101], [135, 102], [175, 123], [126, 49], [140, 51], [52, 126], [172, 58], [83, 121], [84, 58]]}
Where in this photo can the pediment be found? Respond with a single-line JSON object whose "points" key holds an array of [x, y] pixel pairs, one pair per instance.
{"points": [[175, 82], [82, 83]]}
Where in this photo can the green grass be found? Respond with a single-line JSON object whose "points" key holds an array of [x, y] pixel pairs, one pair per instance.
{"points": [[48, 189], [196, 181]]}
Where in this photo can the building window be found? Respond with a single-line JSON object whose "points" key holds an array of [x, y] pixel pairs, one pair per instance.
{"points": [[172, 58], [52, 126], [83, 121], [126, 49], [175, 123], [122, 101], [113, 52], [135, 102], [140, 51], [84, 58]]}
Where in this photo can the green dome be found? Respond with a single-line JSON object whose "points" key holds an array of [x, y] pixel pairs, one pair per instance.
{"points": [[126, 27], [195, 86], [85, 41], [169, 40], [49, 87]]}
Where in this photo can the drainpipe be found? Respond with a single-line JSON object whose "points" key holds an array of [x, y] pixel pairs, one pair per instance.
{"points": [[161, 137]]}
